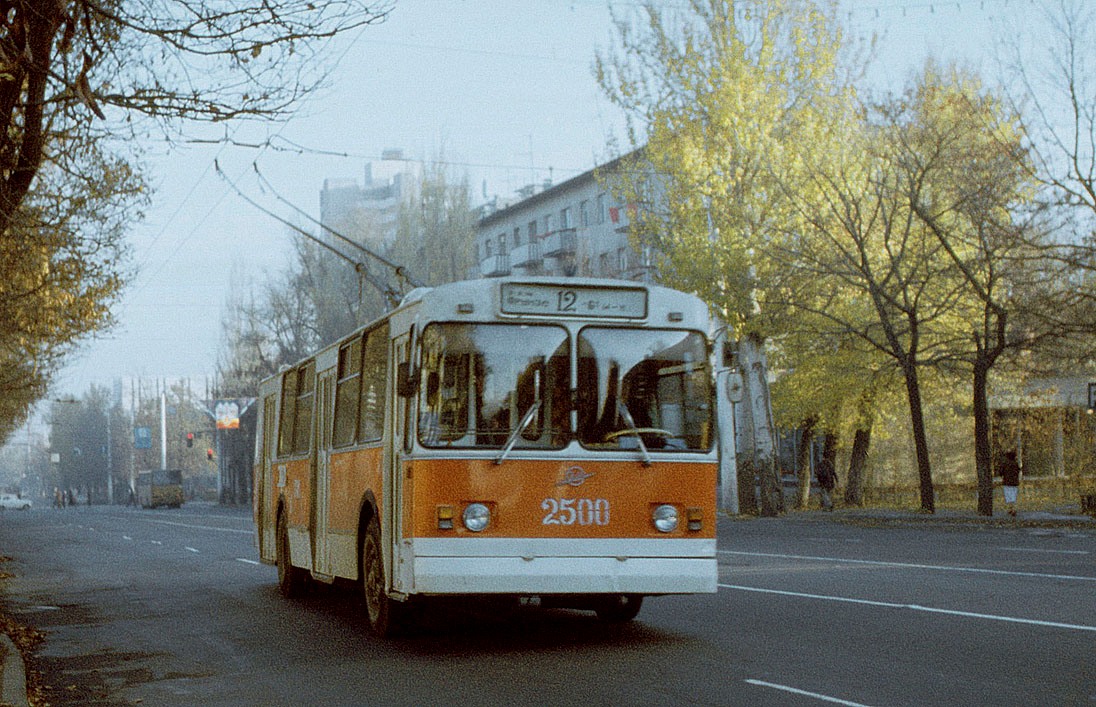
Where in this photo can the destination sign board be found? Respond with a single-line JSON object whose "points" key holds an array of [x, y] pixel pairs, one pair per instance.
{"points": [[578, 301]]}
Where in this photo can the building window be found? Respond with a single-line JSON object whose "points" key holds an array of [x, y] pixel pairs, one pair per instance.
{"points": [[547, 223], [603, 264], [584, 213], [532, 230], [517, 236], [502, 244], [565, 217], [599, 208], [487, 249]]}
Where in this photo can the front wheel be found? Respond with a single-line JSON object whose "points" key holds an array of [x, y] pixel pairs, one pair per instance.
{"points": [[384, 613], [619, 608]]}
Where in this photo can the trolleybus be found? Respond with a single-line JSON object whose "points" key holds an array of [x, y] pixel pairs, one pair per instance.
{"points": [[519, 437]]}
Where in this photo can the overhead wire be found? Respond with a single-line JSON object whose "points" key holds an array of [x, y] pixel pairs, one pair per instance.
{"points": [[392, 295]]}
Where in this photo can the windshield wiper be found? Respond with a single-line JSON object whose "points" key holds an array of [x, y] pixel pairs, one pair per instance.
{"points": [[525, 420], [627, 416]]}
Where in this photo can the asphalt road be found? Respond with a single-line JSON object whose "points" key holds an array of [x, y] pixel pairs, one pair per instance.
{"points": [[171, 608]]}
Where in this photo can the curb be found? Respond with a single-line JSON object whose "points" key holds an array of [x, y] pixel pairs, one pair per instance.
{"points": [[13, 675]]}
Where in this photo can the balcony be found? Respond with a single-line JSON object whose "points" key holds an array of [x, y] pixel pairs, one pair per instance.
{"points": [[495, 266], [525, 256], [559, 243]]}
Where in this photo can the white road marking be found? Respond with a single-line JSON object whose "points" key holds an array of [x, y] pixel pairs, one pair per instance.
{"points": [[797, 691], [1049, 552], [913, 607], [250, 562], [126, 537], [190, 549], [200, 527], [156, 542], [939, 568]]}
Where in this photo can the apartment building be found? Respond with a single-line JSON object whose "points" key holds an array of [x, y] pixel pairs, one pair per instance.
{"points": [[575, 227]]}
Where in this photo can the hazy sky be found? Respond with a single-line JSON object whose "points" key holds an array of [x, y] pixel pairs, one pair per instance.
{"points": [[502, 89]]}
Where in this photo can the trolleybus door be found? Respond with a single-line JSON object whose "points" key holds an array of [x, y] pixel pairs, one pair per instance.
{"points": [[264, 485], [321, 470], [394, 481]]}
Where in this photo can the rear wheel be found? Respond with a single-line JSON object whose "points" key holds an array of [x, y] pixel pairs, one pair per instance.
{"points": [[291, 580], [384, 613], [619, 608]]}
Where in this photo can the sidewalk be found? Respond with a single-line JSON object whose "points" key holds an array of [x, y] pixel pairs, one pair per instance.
{"points": [[948, 517], [13, 675]]}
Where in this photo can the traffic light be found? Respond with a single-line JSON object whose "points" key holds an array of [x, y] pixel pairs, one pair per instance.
{"points": [[209, 454], [190, 439]]}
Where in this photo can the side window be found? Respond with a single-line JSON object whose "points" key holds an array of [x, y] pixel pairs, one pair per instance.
{"points": [[302, 422], [289, 406], [374, 374], [348, 392]]}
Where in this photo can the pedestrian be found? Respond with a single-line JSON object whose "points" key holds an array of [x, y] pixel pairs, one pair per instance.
{"points": [[1010, 472], [827, 481]]}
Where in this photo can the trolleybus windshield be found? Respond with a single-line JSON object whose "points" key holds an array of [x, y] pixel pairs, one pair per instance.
{"points": [[649, 387], [480, 381], [506, 385]]}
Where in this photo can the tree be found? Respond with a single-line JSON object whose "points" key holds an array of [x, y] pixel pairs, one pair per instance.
{"points": [[80, 82], [436, 230], [723, 96], [969, 183]]}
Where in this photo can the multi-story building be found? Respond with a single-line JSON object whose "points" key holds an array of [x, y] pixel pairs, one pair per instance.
{"points": [[572, 228], [376, 203]]}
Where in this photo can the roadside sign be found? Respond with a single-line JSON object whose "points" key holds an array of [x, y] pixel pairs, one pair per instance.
{"points": [[142, 438]]}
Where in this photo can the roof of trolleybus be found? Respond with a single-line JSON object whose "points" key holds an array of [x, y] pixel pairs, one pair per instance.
{"points": [[540, 298]]}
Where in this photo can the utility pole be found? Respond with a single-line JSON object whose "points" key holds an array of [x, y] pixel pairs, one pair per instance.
{"points": [[163, 429]]}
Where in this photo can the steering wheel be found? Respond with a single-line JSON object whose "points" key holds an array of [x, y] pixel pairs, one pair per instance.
{"points": [[638, 430]]}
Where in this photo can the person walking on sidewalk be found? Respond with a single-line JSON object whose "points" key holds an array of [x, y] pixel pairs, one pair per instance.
{"points": [[1010, 479]]}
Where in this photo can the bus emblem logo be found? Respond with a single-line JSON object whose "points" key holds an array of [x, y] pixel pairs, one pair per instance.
{"points": [[575, 476]]}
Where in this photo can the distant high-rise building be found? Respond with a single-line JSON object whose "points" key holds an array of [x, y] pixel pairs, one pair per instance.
{"points": [[376, 202]]}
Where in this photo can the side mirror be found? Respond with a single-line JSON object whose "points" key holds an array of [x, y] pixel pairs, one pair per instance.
{"points": [[406, 380]]}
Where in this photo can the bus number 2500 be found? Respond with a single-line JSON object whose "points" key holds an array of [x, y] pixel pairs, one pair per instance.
{"points": [[569, 511]]}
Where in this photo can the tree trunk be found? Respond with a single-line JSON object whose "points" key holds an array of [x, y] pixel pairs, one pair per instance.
{"points": [[920, 442], [752, 359], [803, 464], [983, 454], [861, 442], [858, 459], [744, 460]]}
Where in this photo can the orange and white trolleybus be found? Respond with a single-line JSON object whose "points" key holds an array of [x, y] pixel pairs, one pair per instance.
{"points": [[520, 437]]}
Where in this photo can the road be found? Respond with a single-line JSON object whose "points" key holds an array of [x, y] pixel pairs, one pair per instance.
{"points": [[170, 608]]}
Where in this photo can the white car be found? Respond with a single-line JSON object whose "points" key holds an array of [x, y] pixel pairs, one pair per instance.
{"points": [[10, 500]]}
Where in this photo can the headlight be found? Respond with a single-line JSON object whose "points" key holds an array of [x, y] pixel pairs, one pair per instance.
{"points": [[665, 518], [476, 517]]}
